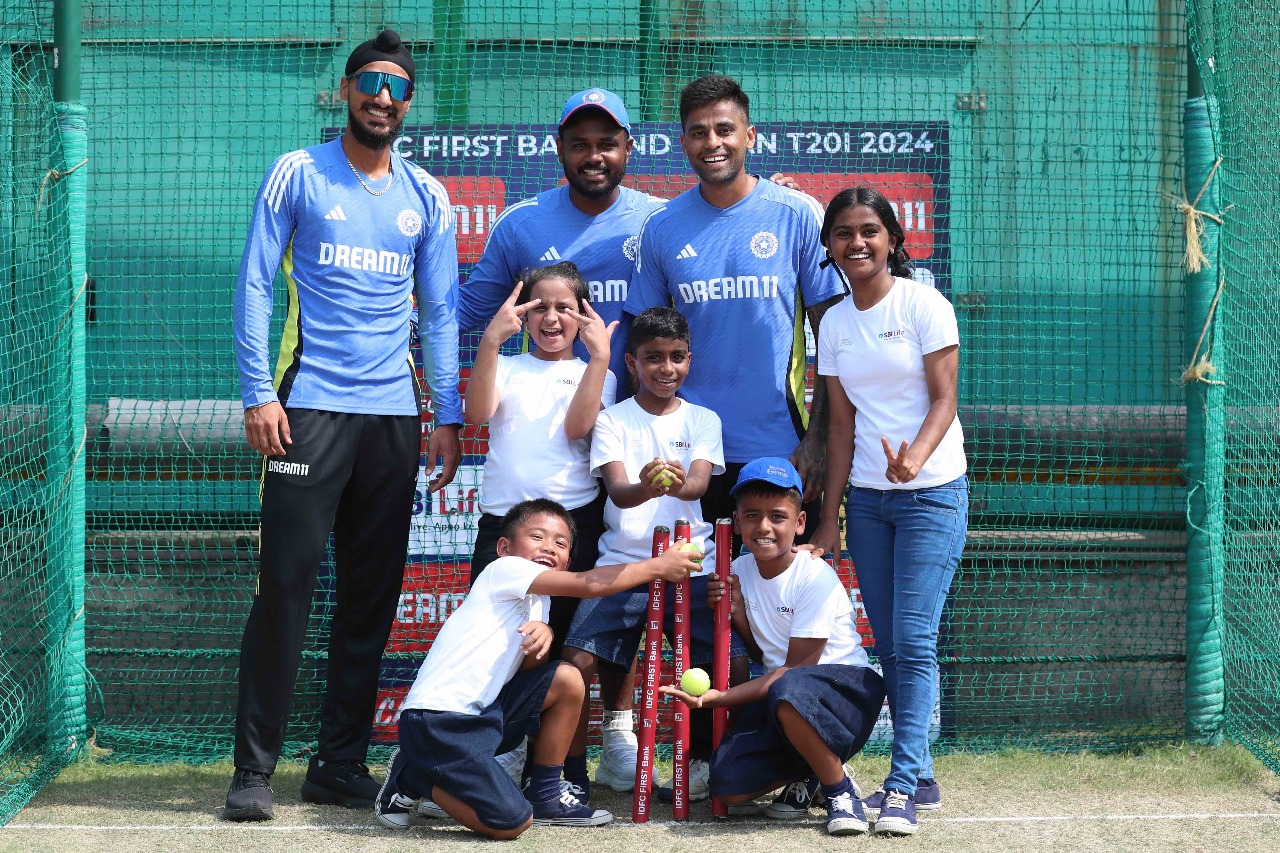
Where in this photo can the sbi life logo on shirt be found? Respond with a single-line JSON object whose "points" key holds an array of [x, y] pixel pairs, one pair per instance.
{"points": [[892, 336], [680, 445]]}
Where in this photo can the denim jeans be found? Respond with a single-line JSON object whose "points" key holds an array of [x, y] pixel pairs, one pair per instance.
{"points": [[906, 545]]}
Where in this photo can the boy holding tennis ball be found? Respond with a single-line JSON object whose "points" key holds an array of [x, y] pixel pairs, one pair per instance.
{"points": [[634, 444], [818, 700]]}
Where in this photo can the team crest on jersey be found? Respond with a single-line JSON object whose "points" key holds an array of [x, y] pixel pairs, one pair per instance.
{"points": [[410, 222], [629, 247], [764, 244]]}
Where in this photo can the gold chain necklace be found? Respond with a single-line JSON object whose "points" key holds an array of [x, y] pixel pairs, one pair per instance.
{"points": [[360, 178]]}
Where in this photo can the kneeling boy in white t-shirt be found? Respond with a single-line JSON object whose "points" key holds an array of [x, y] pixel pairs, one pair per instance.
{"points": [[815, 706], [487, 684]]}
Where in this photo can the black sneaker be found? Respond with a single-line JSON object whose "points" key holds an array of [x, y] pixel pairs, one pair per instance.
{"points": [[566, 810], [394, 809], [249, 797], [794, 802], [345, 783]]}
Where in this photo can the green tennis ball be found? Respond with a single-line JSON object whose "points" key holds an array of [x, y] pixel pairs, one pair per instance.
{"points": [[695, 682], [695, 549], [663, 478]]}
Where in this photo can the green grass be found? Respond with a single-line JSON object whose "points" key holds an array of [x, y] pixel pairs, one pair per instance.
{"points": [[175, 808]]}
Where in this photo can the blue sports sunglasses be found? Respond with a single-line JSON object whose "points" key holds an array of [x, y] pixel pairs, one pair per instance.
{"points": [[371, 83]]}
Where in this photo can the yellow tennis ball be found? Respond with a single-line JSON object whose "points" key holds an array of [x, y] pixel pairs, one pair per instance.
{"points": [[663, 478], [695, 682], [695, 549]]}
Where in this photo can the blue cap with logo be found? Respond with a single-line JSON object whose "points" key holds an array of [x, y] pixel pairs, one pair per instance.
{"points": [[600, 99], [769, 469]]}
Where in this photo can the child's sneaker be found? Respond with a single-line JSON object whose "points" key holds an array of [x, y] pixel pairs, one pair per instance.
{"points": [[871, 805], [513, 762], [392, 808], [928, 795], [428, 808], [699, 783], [794, 802], [845, 815], [897, 814], [618, 751], [567, 810]]}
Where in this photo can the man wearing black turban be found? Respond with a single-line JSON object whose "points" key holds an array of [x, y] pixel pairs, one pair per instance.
{"points": [[358, 232]]}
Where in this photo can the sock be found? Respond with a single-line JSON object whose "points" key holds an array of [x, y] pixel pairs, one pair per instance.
{"points": [[619, 719], [544, 783], [841, 787], [575, 770]]}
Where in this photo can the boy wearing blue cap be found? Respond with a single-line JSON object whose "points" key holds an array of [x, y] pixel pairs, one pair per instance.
{"points": [[819, 698]]}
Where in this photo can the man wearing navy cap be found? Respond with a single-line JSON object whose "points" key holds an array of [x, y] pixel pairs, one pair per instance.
{"points": [[593, 222], [357, 231]]}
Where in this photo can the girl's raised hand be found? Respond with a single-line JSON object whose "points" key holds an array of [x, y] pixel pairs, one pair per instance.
{"points": [[510, 317], [593, 332]]}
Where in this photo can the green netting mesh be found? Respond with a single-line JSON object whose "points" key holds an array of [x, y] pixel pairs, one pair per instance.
{"points": [[1031, 147], [41, 485], [1235, 50]]}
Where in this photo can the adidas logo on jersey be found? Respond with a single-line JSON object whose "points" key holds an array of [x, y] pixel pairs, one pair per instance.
{"points": [[686, 253], [336, 213], [550, 255]]}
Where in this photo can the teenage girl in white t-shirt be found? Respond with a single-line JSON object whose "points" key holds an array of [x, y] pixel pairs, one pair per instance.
{"points": [[890, 355], [541, 407]]}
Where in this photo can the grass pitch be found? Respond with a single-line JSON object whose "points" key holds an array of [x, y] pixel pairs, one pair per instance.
{"points": [[1164, 800]]}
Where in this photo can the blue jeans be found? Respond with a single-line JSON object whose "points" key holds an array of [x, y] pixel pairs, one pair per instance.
{"points": [[906, 545]]}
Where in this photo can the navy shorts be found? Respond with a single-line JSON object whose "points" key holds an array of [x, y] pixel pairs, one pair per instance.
{"points": [[456, 751], [842, 704], [611, 627]]}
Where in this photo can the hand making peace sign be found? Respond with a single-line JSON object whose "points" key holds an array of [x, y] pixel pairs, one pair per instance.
{"points": [[592, 331], [510, 317]]}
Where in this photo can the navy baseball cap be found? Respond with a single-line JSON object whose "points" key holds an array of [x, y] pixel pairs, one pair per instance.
{"points": [[773, 470], [601, 99]]}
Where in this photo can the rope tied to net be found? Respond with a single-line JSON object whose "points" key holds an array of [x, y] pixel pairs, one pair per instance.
{"points": [[1193, 223], [55, 175], [1201, 367]]}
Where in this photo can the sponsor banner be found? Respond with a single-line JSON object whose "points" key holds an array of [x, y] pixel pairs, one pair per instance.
{"points": [[443, 526], [431, 592], [487, 168], [394, 681]]}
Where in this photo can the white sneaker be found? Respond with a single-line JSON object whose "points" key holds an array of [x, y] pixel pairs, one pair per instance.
{"points": [[428, 808], [618, 760], [699, 783], [513, 762]]}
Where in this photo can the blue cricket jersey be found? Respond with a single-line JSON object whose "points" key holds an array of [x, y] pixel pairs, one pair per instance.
{"points": [[742, 276], [547, 229], [351, 262]]}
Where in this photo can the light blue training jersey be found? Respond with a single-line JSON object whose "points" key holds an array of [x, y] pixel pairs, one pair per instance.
{"points": [[351, 261], [742, 276], [547, 229]]}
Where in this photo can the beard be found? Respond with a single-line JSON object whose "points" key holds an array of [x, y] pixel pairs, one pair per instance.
{"points": [[612, 180], [372, 138]]}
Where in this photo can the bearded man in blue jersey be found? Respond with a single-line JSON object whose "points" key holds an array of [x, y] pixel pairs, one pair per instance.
{"points": [[741, 258], [357, 232]]}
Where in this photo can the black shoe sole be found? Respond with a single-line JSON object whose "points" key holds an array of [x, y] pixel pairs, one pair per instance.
{"points": [[246, 815], [313, 793]]}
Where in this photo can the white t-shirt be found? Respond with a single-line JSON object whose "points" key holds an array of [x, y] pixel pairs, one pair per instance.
{"points": [[879, 356], [628, 434], [478, 650], [808, 600], [529, 454]]}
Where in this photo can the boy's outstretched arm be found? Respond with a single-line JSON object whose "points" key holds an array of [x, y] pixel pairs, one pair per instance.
{"points": [[673, 565], [801, 651]]}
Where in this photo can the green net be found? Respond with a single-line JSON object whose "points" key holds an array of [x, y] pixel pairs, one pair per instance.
{"points": [[1031, 149], [41, 452], [1234, 47]]}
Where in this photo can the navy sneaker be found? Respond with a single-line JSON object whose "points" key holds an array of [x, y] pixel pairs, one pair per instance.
{"points": [[567, 810], [794, 802], [345, 783], [845, 815], [928, 795], [897, 814], [249, 797], [394, 808]]}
